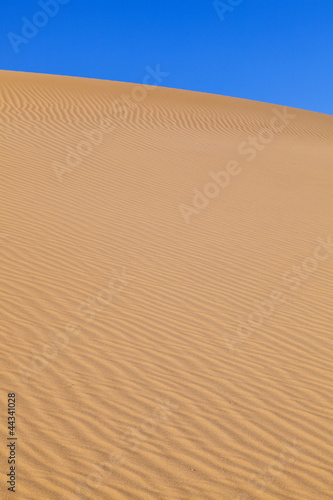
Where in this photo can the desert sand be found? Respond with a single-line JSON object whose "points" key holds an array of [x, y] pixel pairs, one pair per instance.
{"points": [[166, 293]]}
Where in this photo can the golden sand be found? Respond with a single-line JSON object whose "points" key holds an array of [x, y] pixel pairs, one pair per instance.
{"points": [[166, 293]]}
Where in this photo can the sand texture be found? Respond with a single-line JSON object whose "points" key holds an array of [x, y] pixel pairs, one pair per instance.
{"points": [[166, 293]]}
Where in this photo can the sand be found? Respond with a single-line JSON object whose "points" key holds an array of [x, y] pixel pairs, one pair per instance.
{"points": [[166, 293]]}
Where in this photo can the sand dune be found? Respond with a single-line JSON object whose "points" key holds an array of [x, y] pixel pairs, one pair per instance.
{"points": [[166, 293]]}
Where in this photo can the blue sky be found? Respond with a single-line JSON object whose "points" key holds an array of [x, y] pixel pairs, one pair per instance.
{"points": [[278, 51]]}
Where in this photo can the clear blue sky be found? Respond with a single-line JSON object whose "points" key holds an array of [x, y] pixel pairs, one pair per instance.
{"points": [[278, 51]]}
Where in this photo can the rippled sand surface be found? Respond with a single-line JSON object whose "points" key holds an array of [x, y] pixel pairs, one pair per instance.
{"points": [[166, 293]]}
